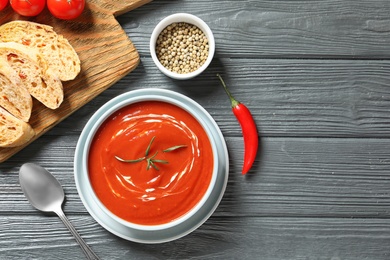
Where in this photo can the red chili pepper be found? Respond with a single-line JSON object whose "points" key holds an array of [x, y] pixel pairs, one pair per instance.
{"points": [[248, 127]]}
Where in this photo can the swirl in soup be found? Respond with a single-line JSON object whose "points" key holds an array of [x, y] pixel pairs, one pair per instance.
{"points": [[150, 162]]}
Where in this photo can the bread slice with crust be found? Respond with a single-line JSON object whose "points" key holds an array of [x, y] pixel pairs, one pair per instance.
{"points": [[55, 49], [14, 97], [32, 70], [13, 131]]}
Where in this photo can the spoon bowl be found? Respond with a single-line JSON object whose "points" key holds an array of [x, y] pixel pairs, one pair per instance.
{"points": [[37, 183], [45, 193]]}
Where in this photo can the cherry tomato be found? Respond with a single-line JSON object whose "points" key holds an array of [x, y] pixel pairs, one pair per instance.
{"points": [[3, 4], [66, 9], [28, 7]]}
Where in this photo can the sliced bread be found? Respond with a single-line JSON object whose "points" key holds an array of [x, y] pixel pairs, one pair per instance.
{"points": [[14, 97], [13, 131], [55, 49], [33, 73]]}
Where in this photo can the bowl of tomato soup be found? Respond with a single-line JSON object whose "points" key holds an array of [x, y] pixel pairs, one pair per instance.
{"points": [[150, 162]]}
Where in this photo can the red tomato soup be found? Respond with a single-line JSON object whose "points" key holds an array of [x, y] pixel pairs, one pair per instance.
{"points": [[150, 162]]}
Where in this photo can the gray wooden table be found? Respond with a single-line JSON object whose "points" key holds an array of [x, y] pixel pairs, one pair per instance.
{"points": [[316, 76]]}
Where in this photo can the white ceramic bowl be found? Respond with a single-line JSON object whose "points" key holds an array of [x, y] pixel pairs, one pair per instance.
{"points": [[152, 233], [187, 18]]}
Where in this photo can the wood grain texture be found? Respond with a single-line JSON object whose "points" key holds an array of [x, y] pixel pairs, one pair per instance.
{"points": [[315, 74], [270, 238], [290, 97], [280, 29], [96, 37]]}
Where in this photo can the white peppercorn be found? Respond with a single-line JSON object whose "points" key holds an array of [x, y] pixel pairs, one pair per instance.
{"points": [[182, 47]]}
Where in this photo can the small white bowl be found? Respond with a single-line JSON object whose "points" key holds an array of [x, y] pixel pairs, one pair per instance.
{"points": [[186, 18], [152, 233]]}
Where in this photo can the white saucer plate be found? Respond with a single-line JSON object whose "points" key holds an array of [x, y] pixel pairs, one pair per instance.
{"points": [[175, 232]]}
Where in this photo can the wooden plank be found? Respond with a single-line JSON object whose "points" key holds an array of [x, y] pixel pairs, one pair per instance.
{"points": [[40, 237], [105, 52], [320, 186], [318, 177], [295, 98], [279, 29]]}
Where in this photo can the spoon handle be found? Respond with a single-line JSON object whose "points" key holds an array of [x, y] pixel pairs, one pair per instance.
{"points": [[86, 249]]}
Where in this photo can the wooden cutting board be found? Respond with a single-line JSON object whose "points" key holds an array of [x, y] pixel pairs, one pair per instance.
{"points": [[105, 51]]}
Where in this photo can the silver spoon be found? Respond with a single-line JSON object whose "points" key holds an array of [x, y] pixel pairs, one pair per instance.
{"points": [[46, 194]]}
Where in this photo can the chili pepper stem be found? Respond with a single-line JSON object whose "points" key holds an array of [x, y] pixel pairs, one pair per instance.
{"points": [[232, 99]]}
